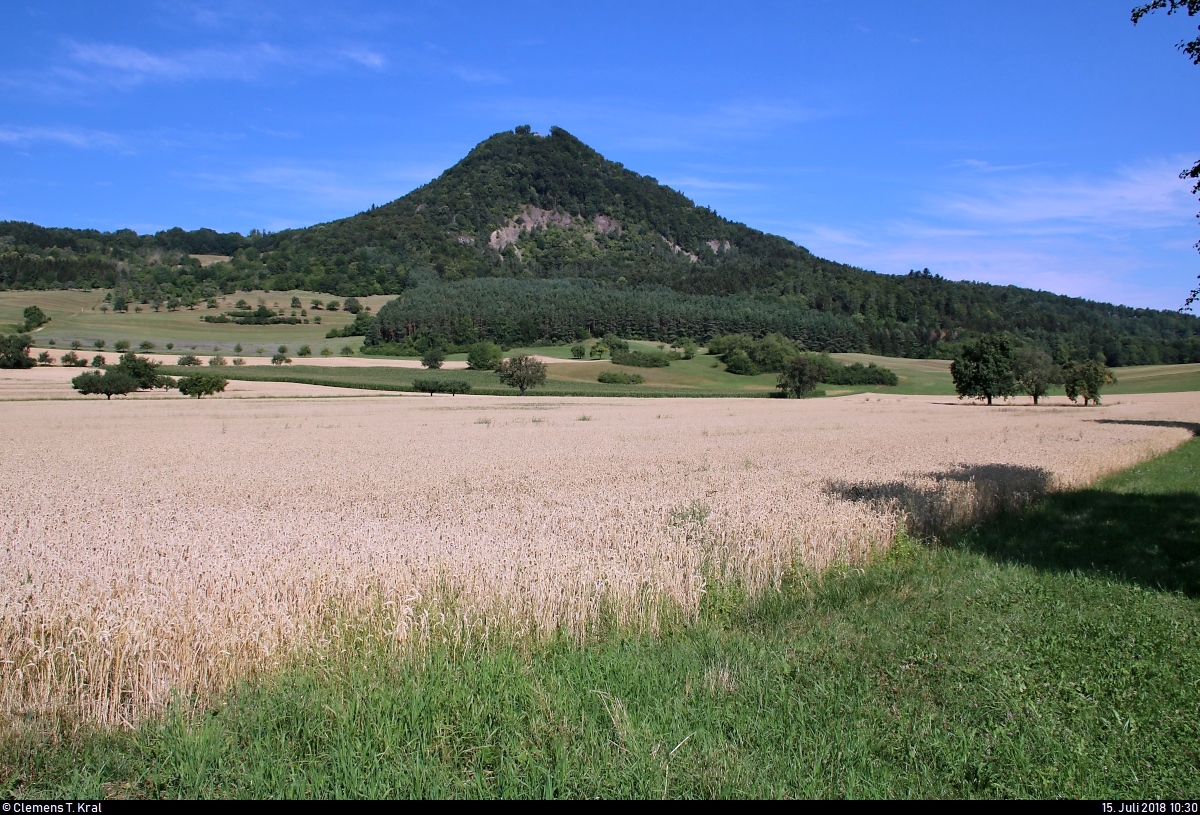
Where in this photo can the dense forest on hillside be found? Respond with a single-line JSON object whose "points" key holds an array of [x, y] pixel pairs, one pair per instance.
{"points": [[540, 237]]}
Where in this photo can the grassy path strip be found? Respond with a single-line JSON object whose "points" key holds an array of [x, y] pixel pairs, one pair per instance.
{"points": [[1051, 653]]}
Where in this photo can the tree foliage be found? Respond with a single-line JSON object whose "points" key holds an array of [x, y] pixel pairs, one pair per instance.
{"points": [[1035, 372], [199, 385], [433, 357], [484, 356], [1085, 379], [522, 372], [620, 378], [641, 359], [14, 351], [143, 371], [1190, 48], [111, 383], [984, 369], [800, 377], [34, 318], [433, 385]]}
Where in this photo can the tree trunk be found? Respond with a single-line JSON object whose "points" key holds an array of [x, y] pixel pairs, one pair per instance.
{"points": [[1035, 398], [989, 400]]}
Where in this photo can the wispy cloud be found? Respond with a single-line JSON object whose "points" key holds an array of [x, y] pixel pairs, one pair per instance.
{"points": [[1143, 196], [366, 58], [982, 166], [121, 65], [85, 67], [1105, 237], [69, 136]]}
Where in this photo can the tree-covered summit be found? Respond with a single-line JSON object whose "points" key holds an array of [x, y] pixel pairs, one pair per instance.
{"points": [[565, 225]]}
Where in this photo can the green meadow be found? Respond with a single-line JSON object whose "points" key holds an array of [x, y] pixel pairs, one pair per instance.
{"points": [[77, 316]]}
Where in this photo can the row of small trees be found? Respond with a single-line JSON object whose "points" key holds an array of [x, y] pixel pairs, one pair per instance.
{"points": [[989, 368], [134, 373]]}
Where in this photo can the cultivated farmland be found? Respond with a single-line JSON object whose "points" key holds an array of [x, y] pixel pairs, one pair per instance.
{"points": [[151, 548]]}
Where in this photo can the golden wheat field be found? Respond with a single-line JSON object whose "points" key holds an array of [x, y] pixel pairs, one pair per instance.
{"points": [[168, 547]]}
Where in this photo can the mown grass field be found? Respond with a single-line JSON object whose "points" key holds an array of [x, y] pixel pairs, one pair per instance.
{"points": [[1049, 653], [76, 315]]}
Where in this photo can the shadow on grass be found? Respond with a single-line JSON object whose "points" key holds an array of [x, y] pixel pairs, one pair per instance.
{"points": [[1146, 532], [1152, 540]]}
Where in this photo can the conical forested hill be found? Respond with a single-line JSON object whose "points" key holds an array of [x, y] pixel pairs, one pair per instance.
{"points": [[524, 205], [534, 237]]}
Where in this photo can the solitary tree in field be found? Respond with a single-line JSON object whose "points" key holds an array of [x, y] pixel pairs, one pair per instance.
{"points": [[1086, 379], [1035, 372], [522, 372], [800, 377], [14, 351], [199, 385], [433, 358], [984, 369]]}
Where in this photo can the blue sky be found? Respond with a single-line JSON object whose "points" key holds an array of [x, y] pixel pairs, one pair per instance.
{"points": [[1021, 142]]}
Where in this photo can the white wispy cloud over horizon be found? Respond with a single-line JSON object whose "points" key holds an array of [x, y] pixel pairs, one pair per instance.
{"points": [[1145, 195], [1077, 235]]}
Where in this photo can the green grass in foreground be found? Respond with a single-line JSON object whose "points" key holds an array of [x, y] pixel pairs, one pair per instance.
{"points": [[1051, 653]]}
